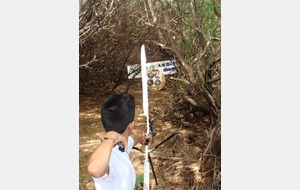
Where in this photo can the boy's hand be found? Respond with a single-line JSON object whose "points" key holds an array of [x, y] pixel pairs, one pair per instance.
{"points": [[147, 138], [118, 138]]}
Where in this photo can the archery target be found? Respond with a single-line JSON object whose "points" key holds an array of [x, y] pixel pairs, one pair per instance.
{"points": [[155, 79]]}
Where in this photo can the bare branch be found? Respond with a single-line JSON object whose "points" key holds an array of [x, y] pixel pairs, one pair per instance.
{"points": [[213, 80], [82, 4], [86, 65], [101, 12], [215, 2], [154, 18], [190, 100]]}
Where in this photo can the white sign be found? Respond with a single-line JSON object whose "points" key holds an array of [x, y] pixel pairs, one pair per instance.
{"points": [[166, 67]]}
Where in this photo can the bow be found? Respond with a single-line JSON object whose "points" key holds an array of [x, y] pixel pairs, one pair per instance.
{"points": [[149, 125], [146, 113]]}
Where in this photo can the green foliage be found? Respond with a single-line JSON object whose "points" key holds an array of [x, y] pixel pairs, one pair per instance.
{"points": [[185, 11], [210, 22], [139, 181], [163, 3]]}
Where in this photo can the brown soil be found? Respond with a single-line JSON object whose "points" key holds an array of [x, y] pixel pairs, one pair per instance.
{"points": [[176, 162]]}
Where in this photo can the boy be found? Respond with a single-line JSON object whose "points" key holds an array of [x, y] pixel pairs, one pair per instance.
{"points": [[110, 165]]}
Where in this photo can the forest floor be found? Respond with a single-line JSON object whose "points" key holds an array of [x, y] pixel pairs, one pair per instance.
{"points": [[176, 162]]}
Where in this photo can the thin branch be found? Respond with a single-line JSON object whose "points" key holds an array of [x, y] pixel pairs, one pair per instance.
{"points": [[182, 80]]}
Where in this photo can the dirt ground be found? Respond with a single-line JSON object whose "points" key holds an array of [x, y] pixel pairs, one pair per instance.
{"points": [[175, 162]]}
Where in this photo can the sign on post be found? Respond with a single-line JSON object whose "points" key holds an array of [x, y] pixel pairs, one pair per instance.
{"points": [[166, 67]]}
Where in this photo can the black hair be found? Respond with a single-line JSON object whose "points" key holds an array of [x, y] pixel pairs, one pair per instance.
{"points": [[117, 111]]}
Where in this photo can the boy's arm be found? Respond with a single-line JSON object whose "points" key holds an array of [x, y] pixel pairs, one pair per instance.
{"points": [[98, 162]]}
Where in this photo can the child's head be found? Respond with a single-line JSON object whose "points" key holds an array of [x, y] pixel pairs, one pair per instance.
{"points": [[117, 112]]}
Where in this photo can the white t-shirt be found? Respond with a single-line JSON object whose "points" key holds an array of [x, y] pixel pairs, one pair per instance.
{"points": [[121, 171]]}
